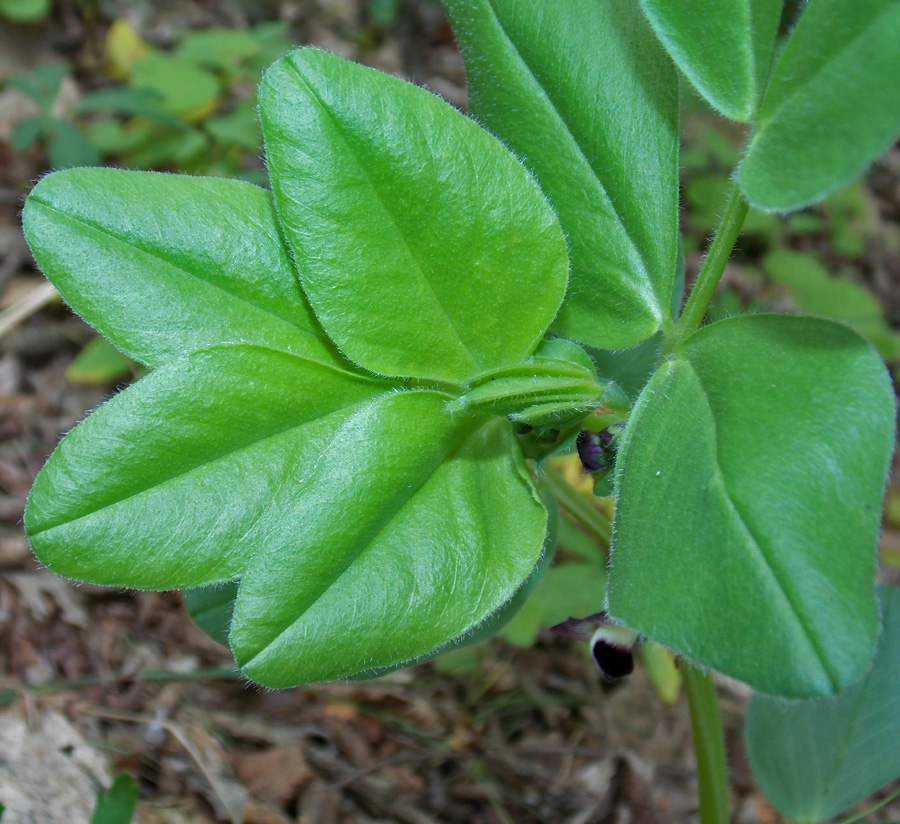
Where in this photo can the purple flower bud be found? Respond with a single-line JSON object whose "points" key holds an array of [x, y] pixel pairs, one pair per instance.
{"points": [[611, 645], [596, 450]]}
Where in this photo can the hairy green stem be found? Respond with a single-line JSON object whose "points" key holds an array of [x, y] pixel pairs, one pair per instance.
{"points": [[578, 506], [711, 272], [709, 744]]}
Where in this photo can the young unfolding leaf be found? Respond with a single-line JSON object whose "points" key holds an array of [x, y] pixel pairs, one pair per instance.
{"points": [[831, 107], [407, 222], [582, 91], [761, 449], [814, 758], [723, 46]]}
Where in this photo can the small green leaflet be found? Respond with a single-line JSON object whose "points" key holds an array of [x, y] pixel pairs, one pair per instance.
{"points": [[116, 805], [831, 107], [762, 449], [723, 46]]}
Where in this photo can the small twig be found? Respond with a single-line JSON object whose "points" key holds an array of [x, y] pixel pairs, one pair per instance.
{"points": [[33, 300], [178, 734]]}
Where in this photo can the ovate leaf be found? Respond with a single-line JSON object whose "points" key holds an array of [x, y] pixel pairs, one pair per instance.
{"points": [[426, 249], [723, 46], [184, 88], [582, 91], [173, 483], [166, 264], [761, 450], [832, 105], [411, 528], [815, 758]]}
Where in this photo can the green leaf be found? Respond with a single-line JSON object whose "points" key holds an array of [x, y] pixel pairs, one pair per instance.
{"points": [[98, 363], [30, 130], [588, 99], [165, 150], [749, 484], [831, 107], [723, 46], [817, 757], [630, 368], [128, 101], [426, 249], [431, 525], [184, 89], [816, 291], [42, 84], [24, 11], [566, 591], [116, 805], [240, 128], [211, 608], [496, 622], [144, 258], [67, 147], [223, 49], [175, 482]]}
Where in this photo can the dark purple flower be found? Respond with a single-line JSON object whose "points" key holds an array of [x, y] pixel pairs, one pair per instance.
{"points": [[596, 450], [611, 645]]}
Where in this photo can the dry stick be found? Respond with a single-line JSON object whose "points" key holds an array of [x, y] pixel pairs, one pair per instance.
{"points": [[176, 732], [34, 299]]}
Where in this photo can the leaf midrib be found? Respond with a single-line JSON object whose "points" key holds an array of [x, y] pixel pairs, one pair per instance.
{"points": [[757, 543], [582, 153], [366, 541], [106, 232], [475, 359], [33, 533]]}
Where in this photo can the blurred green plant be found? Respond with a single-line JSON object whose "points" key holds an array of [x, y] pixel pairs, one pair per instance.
{"points": [[205, 86], [58, 128], [24, 11], [116, 805]]}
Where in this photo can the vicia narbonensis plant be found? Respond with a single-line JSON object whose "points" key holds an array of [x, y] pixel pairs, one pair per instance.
{"points": [[354, 378]]}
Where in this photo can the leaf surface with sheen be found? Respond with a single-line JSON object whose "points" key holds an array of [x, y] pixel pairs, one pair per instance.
{"points": [[166, 264], [831, 107], [426, 248], [585, 95], [749, 485], [171, 484], [410, 530], [724, 47]]}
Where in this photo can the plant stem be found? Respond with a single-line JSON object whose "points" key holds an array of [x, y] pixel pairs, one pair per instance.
{"points": [[578, 506], [860, 816], [709, 744], [705, 286]]}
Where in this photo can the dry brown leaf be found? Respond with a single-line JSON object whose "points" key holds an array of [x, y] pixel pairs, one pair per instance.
{"points": [[276, 774]]}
